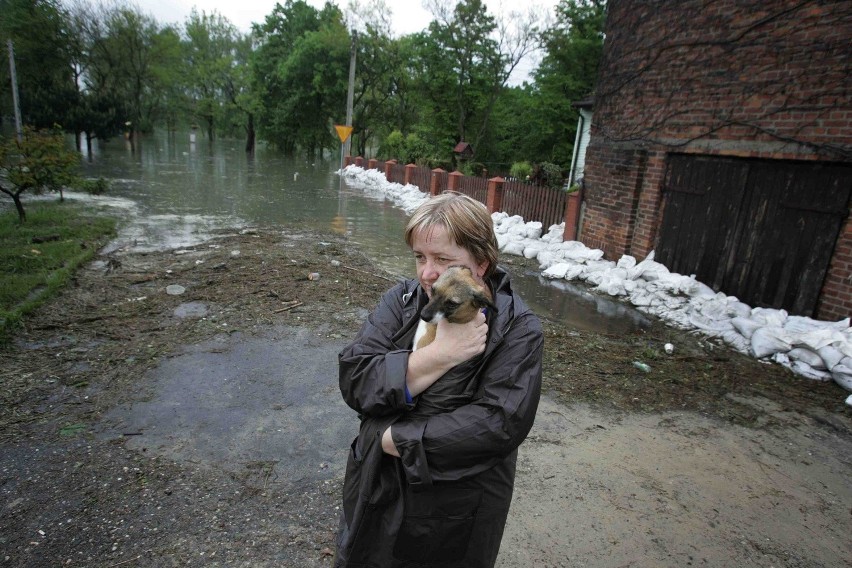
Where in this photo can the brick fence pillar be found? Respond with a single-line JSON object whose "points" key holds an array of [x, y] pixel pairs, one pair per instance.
{"points": [[454, 181], [389, 169], [494, 200], [359, 161], [435, 183], [347, 161], [572, 216], [409, 173], [371, 163]]}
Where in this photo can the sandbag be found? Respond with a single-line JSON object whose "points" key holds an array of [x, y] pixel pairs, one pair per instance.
{"points": [[769, 340]]}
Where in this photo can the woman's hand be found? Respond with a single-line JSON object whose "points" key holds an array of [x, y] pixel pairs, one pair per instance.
{"points": [[459, 342], [454, 344]]}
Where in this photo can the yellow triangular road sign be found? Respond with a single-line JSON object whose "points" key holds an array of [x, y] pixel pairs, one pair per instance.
{"points": [[343, 132]]}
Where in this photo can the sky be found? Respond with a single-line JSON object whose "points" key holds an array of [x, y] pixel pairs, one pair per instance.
{"points": [[409, 16]]}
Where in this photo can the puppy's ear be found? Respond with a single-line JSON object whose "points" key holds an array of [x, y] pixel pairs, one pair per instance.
{"points": [[482, 301]]}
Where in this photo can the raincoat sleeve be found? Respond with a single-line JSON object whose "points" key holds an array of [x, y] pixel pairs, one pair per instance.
{"points": [[372, 368], [477, 436]]}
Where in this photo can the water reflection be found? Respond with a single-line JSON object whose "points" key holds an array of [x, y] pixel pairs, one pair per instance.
{"points": [[184, 189]]}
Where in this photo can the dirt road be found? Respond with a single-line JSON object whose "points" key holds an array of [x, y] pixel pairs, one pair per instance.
{"points": [[205, 429]]}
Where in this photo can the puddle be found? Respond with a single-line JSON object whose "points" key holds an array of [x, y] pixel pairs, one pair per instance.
{"points": [[239, 401]]}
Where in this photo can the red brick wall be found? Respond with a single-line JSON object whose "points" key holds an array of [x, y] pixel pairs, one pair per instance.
{"points": [[751, 78]]}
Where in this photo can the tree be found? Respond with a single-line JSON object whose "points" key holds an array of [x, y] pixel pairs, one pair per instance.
{"points": [[44, 71], [37, 163], [300, 72], [567, 74], [466, 59], [210, 46]]}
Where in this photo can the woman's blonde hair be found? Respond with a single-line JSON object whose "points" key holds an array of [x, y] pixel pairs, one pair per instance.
{"points": [[467, 222]]}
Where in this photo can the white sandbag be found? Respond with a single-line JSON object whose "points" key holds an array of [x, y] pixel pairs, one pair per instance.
{"points": [[498, 216], [546, 259], [587, 254], [576, 271], [769, 316], [502, 240], [652, 271], [533, 230], [626, 261], [735, 340], [641, 297], [518, 229], [707, 324], [842, 375], [514, 247], [745, 326], [804, 370], [532, 250], [613, 286], [700, 290], [807, 356], [817, 338], [557, 271], [830, 355], [738, 309], [769, 340], [801, 324]]}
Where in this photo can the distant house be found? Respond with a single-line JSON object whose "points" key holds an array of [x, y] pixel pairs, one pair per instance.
{"points": [[581, 140], [722, 140]]}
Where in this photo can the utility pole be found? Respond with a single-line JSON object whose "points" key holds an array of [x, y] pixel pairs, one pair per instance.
{"points": [[18, 128], [350, 95]]}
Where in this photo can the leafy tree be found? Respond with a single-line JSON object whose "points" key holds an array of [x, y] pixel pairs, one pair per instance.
{"points": [[44, 72], [462, 64], [567, 74], [301, 75], [209, 50], [37, 163], [134, 60]]}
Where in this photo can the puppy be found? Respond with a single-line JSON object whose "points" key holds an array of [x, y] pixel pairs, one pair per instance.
{"points": [[457, 297]]}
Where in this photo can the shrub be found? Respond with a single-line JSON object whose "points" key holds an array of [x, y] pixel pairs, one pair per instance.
{"points": [[521, 170]]}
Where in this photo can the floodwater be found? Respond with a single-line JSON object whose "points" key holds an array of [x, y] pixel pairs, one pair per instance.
{"points": [[183, 189]]}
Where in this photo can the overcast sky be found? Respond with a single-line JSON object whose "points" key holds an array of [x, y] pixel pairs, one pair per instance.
{"points": [[409, 16]]}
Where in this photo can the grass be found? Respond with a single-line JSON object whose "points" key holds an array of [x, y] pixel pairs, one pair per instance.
{"points": [[38, 257]]}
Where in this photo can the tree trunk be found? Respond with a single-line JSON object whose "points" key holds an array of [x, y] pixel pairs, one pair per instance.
{"points": [[22, 215], [250, 134], [89, 145]]}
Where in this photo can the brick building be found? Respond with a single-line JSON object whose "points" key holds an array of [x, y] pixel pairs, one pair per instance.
{"points": [[722, 139]]}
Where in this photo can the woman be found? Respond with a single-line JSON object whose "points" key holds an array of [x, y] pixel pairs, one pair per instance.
{"points": [[433, 489]]}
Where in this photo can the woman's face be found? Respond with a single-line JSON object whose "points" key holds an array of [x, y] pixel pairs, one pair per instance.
{"points": [[434, 252]]}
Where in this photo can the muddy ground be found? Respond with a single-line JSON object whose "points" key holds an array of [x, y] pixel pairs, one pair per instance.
{"points": [[141, 428]]}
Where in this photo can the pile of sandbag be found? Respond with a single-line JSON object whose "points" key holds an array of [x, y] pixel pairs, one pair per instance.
{"points": [[407, 197], [813, 349]]}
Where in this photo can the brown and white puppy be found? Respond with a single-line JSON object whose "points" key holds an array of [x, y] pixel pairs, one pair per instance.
{"points": [[456, 297]]}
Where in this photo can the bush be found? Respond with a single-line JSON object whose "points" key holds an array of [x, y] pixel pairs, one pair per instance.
{"points": [[94, 186], [521, 170], [393, 147], [547, 174]]}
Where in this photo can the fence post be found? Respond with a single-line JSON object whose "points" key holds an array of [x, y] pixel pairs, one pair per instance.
{"points": [[572, 216], [371, 163], [389, 170], [409, 173], [435, 183], [359, 161], [454, 181], [494, 200], [347, 161]]}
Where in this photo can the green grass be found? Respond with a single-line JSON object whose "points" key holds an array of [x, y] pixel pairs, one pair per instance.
{"points": [[31, 271]]}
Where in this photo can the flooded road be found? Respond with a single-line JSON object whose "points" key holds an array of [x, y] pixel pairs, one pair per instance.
{"points": [[184, 190]]}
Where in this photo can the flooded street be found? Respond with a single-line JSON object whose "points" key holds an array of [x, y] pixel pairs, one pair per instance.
{"points": [[185, 190]]}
